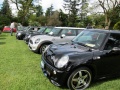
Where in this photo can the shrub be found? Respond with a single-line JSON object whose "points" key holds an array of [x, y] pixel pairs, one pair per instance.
{"points": [[4, 21]]}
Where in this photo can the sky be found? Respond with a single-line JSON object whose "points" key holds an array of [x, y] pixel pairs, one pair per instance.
{"points": [[1, 1], [57, 4]]}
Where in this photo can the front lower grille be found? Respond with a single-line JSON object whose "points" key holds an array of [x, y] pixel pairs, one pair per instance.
{"points": [[48, 59]]}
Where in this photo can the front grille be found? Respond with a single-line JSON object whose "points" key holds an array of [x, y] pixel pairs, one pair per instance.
{"points": [[48, 59], [31, 41]]}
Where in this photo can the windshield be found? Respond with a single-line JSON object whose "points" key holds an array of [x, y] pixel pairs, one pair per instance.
{"points": [[47, 30], [92, 39], [55, 32], [41, 30], [22, 28]]}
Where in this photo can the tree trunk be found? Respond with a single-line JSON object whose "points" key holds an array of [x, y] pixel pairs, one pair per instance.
{"points": [[107, 22]]}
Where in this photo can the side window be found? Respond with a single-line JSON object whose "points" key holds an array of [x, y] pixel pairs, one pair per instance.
{"points": [[113, 41], [79, 31], [69, 32]]}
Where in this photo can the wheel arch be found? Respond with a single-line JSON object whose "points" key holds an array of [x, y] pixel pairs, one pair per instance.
{"points": [[44, 42], [86, 66]]}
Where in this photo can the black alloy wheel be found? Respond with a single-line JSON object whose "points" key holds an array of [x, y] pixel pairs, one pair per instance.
{"points": [[80, 79], [42, 48]]}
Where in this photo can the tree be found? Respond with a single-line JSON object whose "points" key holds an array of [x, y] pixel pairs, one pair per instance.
{"points": [[54, 19], [117, 26], [25, 8], [5, 14], [74, 8], [39, 10], [4, 21], [83, 9], [42, 20], [63, 18], [5, 10], [49, 11], [108, 7], [115, 17]]}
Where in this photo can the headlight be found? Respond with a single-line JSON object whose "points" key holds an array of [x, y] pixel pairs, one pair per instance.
{"points": [[19, 33], [62, 61], [37, 40], [29, 36]]}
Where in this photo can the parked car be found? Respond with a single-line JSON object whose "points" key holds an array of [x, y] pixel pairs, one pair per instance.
{"points": [[93, 54], [58, 34], [7, 29], [21, 34], [41, 31]]}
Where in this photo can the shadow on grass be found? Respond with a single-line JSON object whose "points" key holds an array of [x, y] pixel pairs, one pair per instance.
{"points": [[96, 82], [3, 35], [1, 43], [99, 82], [2, 38]]}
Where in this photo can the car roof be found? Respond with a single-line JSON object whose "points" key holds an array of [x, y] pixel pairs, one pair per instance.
{"points": [[103, 30], [69, 28]]}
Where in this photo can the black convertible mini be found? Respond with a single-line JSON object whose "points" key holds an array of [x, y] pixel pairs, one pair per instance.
{"points": [[93, 54]]}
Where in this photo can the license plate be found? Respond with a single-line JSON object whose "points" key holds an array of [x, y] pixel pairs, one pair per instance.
{"points": [[42, 64]]}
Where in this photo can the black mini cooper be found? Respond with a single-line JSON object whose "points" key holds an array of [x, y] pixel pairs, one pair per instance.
{"points": [[93, 54]]}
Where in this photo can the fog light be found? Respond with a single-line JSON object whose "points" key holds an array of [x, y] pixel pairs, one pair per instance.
{"points": [[55, 83], [54, 72]]}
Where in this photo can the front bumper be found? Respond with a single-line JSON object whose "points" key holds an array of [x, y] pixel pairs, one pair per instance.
{"points": [[57, 77], [33, 47], [26, 39], [18, 36]]}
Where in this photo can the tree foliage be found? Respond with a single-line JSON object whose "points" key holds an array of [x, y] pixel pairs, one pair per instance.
{"points": [[5, 10], [39, 10], [108, 7], [49, 11], [75, 8], [117, 26], [4, 21], [54, 19], [76, 13], [24, 7], [63, 18]]}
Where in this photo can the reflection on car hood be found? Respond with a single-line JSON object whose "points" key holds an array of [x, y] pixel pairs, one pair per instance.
{"points": [[36, 33], [42, 37], [68, 48]]}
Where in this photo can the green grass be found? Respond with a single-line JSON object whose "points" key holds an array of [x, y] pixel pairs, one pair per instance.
{"points": [[20, 69]]}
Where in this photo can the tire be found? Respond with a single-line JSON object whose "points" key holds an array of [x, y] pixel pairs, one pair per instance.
{"points": [[42, 48], [80, 79]]}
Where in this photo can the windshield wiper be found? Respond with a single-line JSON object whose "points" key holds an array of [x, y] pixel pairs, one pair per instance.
{"points": [[82, 44]]}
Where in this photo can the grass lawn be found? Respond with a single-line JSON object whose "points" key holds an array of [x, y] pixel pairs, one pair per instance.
{"points": [[20, 69]]}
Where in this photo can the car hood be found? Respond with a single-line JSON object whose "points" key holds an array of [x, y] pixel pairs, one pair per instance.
{"points": [[67, 48], [35, 33], [42, 37]]}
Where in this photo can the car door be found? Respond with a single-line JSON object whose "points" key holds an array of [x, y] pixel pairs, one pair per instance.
{"points": [[107, 61]]}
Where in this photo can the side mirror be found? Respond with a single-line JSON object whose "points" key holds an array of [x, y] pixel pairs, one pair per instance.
{"points": [[116, 49], [62, 36]]}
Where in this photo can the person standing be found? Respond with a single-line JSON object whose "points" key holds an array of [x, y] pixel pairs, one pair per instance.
{"points": [[12, 26], [16, 26]]}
